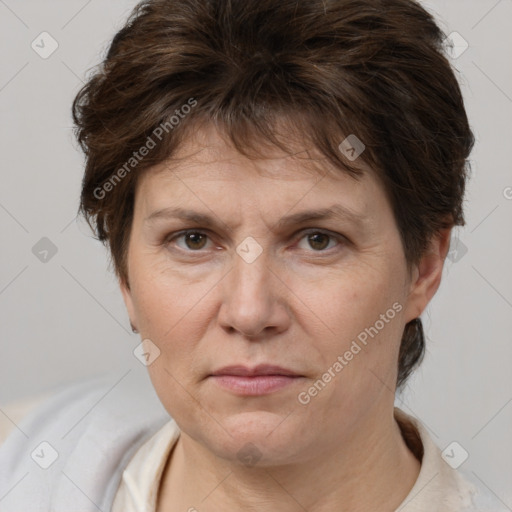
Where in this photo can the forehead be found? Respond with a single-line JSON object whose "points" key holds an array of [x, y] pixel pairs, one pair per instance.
{"points": [[208, 176], [208, 154]]}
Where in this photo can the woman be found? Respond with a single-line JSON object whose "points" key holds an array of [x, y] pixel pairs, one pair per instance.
{"points": [[277, 183]]}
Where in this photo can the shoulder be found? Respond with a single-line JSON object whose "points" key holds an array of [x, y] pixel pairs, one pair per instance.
{"points": [[14, 412], [483, 499], [440, 486], [70, 451]]}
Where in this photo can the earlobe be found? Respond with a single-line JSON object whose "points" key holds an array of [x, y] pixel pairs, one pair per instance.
{"points": [[426, 276], [128, 301]]}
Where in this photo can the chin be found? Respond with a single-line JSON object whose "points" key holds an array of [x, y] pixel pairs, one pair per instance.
{"points": [[256, 437]]}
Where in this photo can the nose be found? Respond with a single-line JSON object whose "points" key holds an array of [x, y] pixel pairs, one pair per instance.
{"points": [[253, 300]]}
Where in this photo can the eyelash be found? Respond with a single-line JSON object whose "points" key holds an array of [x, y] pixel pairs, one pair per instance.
{"points": [[333, 236]]}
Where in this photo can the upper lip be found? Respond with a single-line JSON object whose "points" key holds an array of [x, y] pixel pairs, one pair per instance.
{"points": [[261, 369]]}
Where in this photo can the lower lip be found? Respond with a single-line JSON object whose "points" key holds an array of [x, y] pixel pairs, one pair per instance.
{"points": [[253, 386]]}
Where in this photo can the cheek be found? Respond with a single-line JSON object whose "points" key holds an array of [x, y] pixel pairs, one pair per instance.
{"points": [[174, 315], [362, 312], [352, 298], [168, 301]]}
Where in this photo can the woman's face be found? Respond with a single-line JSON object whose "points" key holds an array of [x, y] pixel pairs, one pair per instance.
{"points": [[258, 281]]}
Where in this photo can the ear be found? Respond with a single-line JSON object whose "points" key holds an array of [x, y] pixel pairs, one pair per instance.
{"points": [[426, 274], [128, 301]]}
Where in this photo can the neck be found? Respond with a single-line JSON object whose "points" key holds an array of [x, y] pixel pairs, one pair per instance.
{"points": [[371, 469]]}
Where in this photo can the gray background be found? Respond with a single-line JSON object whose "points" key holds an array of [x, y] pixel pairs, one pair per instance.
{"points": [[64, 319]]}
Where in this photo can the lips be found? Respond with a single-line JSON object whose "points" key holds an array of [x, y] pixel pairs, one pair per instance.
{"points": [[257, 371], [264, 379]]}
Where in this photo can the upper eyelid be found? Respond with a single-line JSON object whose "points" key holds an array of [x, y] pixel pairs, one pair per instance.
{"points": [[306, 231]]}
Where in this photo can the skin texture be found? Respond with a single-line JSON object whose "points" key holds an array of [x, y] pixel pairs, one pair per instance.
{"points": [[300, 304]]}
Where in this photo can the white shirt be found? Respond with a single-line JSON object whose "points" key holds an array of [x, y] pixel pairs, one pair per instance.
{"points": [[439, 488]]}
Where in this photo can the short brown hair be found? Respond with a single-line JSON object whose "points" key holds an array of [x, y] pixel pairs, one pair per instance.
{"points": [[376, 69]]}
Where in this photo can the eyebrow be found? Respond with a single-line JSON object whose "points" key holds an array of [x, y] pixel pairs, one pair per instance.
{"points": [[335, 211]]}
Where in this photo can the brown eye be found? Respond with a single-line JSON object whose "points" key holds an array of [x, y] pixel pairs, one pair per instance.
{"points": [[190, 241], [318, 241], [195, 240]]}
